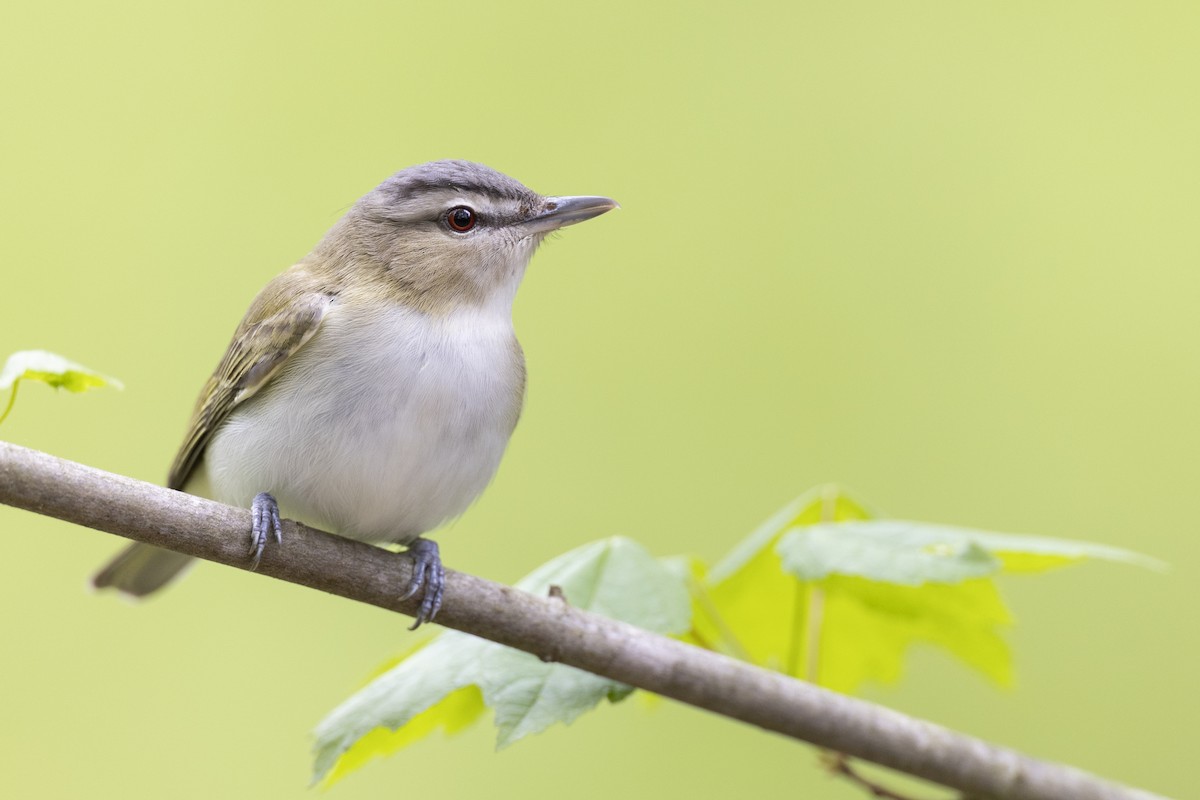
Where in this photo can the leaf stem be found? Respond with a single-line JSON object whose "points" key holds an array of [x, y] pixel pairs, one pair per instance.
{"points": [[798, 642], [812, 633], [12, 400], [816, 596]]}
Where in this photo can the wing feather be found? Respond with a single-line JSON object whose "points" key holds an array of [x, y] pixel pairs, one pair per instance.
{"points": [[281, 319]]}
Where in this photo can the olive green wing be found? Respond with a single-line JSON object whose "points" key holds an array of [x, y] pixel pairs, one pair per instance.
{"points": [[282, 318]]}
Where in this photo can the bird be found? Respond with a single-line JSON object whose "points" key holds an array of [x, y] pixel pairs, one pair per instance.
{"points": [[371, 389]]}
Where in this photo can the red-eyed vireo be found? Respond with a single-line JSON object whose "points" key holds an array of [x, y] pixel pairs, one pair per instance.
{"points": [[372, 388]]}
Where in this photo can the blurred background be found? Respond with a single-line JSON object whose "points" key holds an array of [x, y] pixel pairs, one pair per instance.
{"points": [[944, 253]]}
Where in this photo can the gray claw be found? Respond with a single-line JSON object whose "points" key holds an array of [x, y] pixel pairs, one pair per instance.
{"points": [[265, 521], [428, 580]]}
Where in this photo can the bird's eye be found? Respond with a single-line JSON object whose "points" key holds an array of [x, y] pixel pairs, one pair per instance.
{"points": [[460, 218]]}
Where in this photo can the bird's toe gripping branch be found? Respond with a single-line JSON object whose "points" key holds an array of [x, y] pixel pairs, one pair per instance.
{"points": [[428, 580], [266, 521]]}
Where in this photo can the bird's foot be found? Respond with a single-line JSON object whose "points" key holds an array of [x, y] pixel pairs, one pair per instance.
{"points": [[265, 514], [428, 580]]}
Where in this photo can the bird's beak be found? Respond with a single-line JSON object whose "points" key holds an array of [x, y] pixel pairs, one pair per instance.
{"points": [[559, 212]]}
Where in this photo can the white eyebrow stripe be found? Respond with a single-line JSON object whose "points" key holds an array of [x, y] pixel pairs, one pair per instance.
{"points": [[431, 205]]}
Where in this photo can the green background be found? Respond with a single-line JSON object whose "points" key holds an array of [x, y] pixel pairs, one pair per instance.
{"points": [[945, 253]]}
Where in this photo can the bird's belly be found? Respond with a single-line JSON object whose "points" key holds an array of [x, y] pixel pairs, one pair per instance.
{"points": [[378, 429]]}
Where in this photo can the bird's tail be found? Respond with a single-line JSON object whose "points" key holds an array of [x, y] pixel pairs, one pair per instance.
{"points": [[141, 569]]}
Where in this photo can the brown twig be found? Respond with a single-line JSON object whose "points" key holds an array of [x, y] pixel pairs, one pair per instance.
{"points": [[548, 628], [839, 764]]}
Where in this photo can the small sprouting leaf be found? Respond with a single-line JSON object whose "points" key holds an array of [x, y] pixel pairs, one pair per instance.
{"points": [[51, 369], [447, 683]]}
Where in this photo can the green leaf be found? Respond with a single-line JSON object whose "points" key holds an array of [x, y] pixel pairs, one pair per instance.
{"points": [[905, 552], [692, 573], [51, 369], [754, 609], [909, 555], [868, 629], [824, 503], [1024, 553], [447, 683], [822, 591]]}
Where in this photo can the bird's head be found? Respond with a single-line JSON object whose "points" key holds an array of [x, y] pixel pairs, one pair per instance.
{"points": [[451, 233]]}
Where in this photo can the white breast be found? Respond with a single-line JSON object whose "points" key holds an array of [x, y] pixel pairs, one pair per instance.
{"points": [[386, 424]]}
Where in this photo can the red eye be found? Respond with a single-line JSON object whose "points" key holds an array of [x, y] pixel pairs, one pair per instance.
{"points": [[461, 219]]}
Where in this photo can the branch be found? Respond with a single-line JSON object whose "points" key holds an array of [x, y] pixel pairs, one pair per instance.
{"points": [[553, 631]]}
